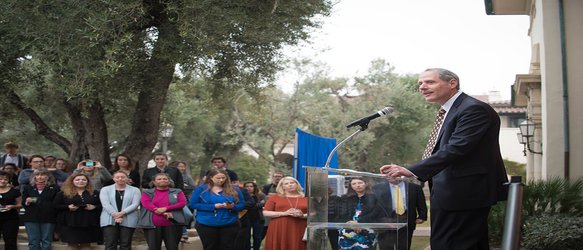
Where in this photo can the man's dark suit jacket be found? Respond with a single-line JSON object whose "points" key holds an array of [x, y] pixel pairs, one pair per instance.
{"points": [[416, 206], [267, 187], [173, 172], [466, 167]]}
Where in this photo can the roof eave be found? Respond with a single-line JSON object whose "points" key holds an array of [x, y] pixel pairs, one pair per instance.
{"points": [[507, 7]]}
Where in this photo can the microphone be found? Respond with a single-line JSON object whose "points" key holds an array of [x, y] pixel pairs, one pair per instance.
{"points": [[365, 120]]}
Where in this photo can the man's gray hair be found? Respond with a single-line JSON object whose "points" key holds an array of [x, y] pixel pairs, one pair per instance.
{"points": [[446, 75]]}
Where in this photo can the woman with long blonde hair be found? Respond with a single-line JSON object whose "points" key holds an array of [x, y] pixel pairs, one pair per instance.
{"points": [[288, 212]]}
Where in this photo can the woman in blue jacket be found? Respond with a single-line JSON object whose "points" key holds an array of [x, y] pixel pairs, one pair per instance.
{"points": [[217, 205]]}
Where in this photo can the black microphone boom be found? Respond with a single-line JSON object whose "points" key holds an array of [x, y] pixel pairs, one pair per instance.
{"points": [[365, 120]]}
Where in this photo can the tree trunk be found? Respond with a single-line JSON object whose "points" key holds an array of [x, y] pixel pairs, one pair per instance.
{"points": [[78, 148], [96, 133], [156, 81]]}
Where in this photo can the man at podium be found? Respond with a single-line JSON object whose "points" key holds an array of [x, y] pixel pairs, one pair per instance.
{"points": [[462, 161]]}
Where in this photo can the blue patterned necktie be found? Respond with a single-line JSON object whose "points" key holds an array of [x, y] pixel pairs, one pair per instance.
{"points": [[434, 134]]}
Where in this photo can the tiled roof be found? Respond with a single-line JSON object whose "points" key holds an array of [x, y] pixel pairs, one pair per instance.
{"points": [[502, 106], [510, 110]]}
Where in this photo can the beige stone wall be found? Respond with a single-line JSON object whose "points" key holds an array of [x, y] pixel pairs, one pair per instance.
{"points": [[573, 27], [546, 37]]}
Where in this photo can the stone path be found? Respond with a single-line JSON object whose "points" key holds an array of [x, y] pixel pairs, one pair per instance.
{"points": [[422, 231]]}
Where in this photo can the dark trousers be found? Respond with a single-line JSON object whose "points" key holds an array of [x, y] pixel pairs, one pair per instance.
{"points": [[243, 237], [333, 235], [169, 234], [9, 230], [218, 238], [118, 235], [396, 239], [264, 233], [257, 227], [459, 230]]}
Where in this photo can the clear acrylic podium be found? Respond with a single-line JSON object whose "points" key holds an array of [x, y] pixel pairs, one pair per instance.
{"points": [[332, 207]]}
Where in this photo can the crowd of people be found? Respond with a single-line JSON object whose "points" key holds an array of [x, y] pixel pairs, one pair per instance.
{"points": [[88, 203], [99, 205]]}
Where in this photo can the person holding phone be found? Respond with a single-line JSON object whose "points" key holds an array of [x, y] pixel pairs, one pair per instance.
{"points": [[98, 175], [217, 205], [39, 210], [79, 210]]}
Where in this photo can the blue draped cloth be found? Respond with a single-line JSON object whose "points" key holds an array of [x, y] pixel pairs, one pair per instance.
{"points": [[312, 150]]}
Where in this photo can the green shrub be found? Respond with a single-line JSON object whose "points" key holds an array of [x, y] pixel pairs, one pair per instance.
{"points": [[558, 231], [496, 223], [543, 197], [554, 196]]}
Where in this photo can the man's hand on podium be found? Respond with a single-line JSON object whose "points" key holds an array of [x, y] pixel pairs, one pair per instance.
{"points": [[393, 170]]}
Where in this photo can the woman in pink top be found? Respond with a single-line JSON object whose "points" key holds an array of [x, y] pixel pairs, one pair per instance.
{"points": [[161, 214]]}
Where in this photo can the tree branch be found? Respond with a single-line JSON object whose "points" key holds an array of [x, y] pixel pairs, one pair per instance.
{"points": [[41, 127]]}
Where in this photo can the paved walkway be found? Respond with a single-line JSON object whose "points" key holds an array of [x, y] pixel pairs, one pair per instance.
{"points": [[422, 231], [194, 242]]}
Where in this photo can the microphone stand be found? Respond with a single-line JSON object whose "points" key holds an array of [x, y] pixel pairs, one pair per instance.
{"points": [[363, 127]]}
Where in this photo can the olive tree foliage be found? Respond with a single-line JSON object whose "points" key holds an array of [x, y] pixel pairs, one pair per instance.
{"points": [[402, 137], [104, 68], [398, 138], [199, 121], [324, 105]]}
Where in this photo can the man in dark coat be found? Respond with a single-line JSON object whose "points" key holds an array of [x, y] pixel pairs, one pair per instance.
{"points": [[161, 160], [463, 163]]}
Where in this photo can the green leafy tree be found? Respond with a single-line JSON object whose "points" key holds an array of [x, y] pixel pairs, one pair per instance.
{"points": [[401, 137], [250, 169], [111, 60], [324, 105]]}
